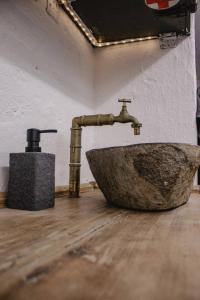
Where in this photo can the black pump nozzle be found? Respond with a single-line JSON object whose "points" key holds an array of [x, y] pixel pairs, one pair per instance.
{"points": [[33, 139]]}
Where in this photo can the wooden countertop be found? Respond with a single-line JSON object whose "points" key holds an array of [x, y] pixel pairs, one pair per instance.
{"points": [[84, 250]]}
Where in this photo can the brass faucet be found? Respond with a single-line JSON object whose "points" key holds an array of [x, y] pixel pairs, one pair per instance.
{"points": [[76, 132]]}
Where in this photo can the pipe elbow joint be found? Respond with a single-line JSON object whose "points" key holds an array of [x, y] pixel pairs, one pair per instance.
{"points": [[75, 122]]}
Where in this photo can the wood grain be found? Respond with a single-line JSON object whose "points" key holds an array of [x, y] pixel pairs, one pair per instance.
{"points": [[84, 249], [60, 191], [2, 199]]}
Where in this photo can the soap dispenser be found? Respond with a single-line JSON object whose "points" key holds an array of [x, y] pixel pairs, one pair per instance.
{"points": [[31, 183]]}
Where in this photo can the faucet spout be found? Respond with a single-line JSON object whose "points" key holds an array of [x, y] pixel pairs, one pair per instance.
{"points": [[124, 117], [76, 133]]}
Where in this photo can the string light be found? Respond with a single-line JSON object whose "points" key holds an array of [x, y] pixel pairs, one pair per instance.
{"points": [[87, 32]]}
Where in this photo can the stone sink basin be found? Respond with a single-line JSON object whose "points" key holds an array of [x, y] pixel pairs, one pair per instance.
{"points": [[145, 176]]}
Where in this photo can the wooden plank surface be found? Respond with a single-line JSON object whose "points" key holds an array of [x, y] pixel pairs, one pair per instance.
{"points": [[60, 191], [84, 249]]}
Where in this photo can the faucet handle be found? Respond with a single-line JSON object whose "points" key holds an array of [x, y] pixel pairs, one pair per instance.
{"points": [[124, 101]]}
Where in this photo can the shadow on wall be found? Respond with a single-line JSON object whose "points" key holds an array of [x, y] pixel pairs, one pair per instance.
{"points": [[55, 53], [60, 55], [163, 83], [117, 66]]}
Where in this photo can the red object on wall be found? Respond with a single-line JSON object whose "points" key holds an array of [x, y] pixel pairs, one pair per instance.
{"points": [[161, 4]]}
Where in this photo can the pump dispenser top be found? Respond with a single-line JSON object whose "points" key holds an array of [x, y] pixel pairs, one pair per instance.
{"points": [[33, 139]]}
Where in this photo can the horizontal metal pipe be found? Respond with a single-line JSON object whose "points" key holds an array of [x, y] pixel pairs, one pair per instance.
{"points": [[76, 134]]}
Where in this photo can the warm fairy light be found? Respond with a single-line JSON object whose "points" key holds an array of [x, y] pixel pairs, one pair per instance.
{"points": [[89, 34]]}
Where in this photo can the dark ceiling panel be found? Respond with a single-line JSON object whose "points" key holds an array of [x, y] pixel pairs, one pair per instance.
{"points": [[116, 20], [124, 19]]}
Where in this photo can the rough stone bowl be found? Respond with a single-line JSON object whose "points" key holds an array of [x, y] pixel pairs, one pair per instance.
{"points": [[145, 176]]}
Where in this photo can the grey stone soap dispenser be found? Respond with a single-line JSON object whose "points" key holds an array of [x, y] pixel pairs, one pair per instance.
{"points": [[31, 183]]}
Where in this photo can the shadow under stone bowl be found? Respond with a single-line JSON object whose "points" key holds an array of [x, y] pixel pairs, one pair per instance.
{"points": [[146, 176]]}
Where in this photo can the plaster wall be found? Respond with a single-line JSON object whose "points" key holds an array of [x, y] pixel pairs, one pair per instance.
{"points": [[162, 83], [197, 28], [50, 73], [46, 78]]}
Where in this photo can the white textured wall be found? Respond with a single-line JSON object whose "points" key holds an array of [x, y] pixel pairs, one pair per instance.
{"points": [[163, 83], [46, 78], [49, 73], [197, 20]]}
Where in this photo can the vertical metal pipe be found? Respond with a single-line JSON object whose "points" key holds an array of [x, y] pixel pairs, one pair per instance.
{"points": [[75, 162], [76, 132]]}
